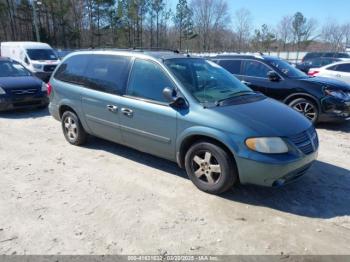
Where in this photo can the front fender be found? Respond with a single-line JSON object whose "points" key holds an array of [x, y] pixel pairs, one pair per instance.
{"points": [[222, 137]]}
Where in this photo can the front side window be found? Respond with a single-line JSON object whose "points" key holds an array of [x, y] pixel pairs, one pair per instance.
{"points": [[233, 66], [107, 73], [148, 80], [256, 69], [205, 80], [286, 69], [41, 54], [72, 70], [11, 69]]}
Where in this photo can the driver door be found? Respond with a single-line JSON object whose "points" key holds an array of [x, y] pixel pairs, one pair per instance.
{"points": [[255, 76]]}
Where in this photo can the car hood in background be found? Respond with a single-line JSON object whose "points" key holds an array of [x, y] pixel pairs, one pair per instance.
{"points": [[20, 82], [328, 82], [266, 117]]}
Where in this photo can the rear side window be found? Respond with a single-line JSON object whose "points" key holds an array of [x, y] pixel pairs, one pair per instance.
{"points": [[107, 73], [256, 69], [233, 66], [343, 68], [72, 70], [148, 80]]}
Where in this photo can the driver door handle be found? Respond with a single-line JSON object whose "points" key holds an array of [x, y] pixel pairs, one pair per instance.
{"points": [[338, 75], [112, 108], [246, 83], [128, 112]]}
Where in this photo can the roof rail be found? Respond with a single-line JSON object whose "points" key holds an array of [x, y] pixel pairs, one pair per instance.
{"points": [[142, 49]]}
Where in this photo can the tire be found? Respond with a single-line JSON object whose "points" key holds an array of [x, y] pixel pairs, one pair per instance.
{"points": [[202, 159], [72, 129], [306, 107]]}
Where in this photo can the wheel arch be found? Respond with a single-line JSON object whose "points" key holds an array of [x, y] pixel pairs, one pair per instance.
{"points": [[295, 96], [191, 139]]}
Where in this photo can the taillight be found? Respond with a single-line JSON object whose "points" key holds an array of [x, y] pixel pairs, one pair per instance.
{"points": [[49, 89], [313, 73]]}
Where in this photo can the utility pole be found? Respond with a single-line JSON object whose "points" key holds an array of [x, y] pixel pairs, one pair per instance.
{"points": [[35, 19]]}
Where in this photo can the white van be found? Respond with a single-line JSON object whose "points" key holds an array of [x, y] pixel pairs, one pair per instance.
{"points": [[39, 58]]}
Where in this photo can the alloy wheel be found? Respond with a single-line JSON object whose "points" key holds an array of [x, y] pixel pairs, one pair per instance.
{"points": [[71, 129], [206, 168], [307, 109]]}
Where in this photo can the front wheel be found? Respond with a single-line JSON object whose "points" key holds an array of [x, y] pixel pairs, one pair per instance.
{"points": [[307, 108], [210, 168]]}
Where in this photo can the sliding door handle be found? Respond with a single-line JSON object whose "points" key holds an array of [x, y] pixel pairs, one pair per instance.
{"points": [[112, 108], [127, 112]]}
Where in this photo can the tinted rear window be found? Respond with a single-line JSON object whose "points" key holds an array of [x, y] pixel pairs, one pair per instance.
{"points": [[72, 70], [233, 66], [107, 73]]}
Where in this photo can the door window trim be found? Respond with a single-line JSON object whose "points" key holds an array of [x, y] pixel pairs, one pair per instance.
{"points": [[151, 101], [243, 67]]}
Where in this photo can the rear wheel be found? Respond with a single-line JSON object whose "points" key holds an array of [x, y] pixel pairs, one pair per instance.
{"points": [[210, 168], [306, 107], [72, 129]]}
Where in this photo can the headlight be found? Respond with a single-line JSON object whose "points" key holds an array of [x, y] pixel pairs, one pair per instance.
{"points": [[37, 66], [2, 91], [338, 94], [44, 87], [267, 145]]}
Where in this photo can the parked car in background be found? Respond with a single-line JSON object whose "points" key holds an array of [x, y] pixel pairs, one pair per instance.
{"points": [[184, 109], [19, 88], [340, 71], [63, 53], [317, 62], [39, 58], [312, 55], [318, 99]]}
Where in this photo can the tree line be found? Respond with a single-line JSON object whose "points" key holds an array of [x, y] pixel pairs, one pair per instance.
{"points": [[195, 25]]}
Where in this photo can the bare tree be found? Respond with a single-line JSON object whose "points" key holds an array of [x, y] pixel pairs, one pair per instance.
{"points": [[333, 34], [209, 16], [346, 28], [243, 27], [284, 31]]}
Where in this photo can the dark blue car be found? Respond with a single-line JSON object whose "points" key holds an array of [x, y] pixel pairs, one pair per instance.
{"points": [[19, 88]]}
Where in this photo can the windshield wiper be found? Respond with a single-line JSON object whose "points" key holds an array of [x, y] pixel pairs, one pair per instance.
{"points": [[235, 95]]}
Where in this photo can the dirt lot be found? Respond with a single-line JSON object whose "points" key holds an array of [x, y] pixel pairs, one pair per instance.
{"points": [[105, 198]]}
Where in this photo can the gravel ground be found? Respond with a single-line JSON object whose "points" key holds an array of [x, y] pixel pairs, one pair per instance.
{"points": [[107, 199]]}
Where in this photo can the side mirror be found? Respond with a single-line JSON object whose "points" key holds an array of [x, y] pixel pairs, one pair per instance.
{"points": [[174, 100], [273, 76], [26, 60]]}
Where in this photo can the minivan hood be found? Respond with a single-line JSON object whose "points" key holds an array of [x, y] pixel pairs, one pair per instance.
{"points": [[20, 82], [328, 82], [266, 117]]}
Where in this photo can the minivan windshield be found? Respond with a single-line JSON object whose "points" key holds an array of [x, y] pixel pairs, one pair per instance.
{"points": [[286, 69], [10, 69], [205, 80], [41, 54]]}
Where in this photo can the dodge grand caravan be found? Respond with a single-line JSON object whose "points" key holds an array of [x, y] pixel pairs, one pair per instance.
{"points": [[188, 110]]}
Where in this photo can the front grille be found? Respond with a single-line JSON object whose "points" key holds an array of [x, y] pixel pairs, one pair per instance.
{"points": [[307, 141], [24, 91], [49, 68]]}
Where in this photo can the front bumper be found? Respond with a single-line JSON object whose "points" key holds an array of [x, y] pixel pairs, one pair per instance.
{"points": [[12, 103], [273, 174], [334, 110]]}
